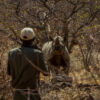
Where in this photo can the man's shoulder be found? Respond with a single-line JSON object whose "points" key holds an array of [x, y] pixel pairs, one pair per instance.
{"points": [[32, 50], [37, 51], [15, 50]]}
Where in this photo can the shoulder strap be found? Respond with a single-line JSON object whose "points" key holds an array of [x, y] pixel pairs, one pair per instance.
{"points": [[33, 65]]}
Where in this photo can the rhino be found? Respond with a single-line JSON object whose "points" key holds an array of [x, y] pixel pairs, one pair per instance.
{"points": [[56, 54]]}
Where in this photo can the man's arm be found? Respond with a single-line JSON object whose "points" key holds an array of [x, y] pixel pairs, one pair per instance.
{"points": [[43, 64], [8, 65]]}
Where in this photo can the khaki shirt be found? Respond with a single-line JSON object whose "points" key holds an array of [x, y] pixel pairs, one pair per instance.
{"points": [[24, 75]]}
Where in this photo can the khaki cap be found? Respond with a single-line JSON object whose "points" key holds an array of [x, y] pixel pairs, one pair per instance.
{"points": [[27, 34]]}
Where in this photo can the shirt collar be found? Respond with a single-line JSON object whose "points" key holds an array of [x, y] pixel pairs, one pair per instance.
{"points": [[27, 45]]}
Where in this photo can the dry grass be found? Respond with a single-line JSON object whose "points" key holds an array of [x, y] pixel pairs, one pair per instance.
{"points": [[83, 87]]}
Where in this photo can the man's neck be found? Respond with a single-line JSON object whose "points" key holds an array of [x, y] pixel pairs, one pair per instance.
{"points": [[27, 45]]}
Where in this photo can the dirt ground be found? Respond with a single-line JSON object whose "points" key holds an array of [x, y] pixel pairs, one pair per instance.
{"points": [[85, 85]]}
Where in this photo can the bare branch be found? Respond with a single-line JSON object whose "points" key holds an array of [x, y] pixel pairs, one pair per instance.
{"points": [[76, 8], [69, 1], [18, 7], [90, 19]]}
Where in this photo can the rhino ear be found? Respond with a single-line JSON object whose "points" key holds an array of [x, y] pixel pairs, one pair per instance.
{"points": [[64, 38], [50, 38]]}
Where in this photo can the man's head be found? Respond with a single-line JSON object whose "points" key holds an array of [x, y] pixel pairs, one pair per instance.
{"points": [[27, 35]]}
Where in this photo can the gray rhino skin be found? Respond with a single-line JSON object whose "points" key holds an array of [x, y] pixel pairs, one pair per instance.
{"points": [[56, 54]]}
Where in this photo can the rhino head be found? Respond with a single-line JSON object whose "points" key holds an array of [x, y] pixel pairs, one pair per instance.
{"points": [[58, 45]]}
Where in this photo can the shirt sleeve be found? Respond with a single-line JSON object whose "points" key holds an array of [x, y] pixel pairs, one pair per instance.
{"points": [[8, 65], [42, 63]]}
